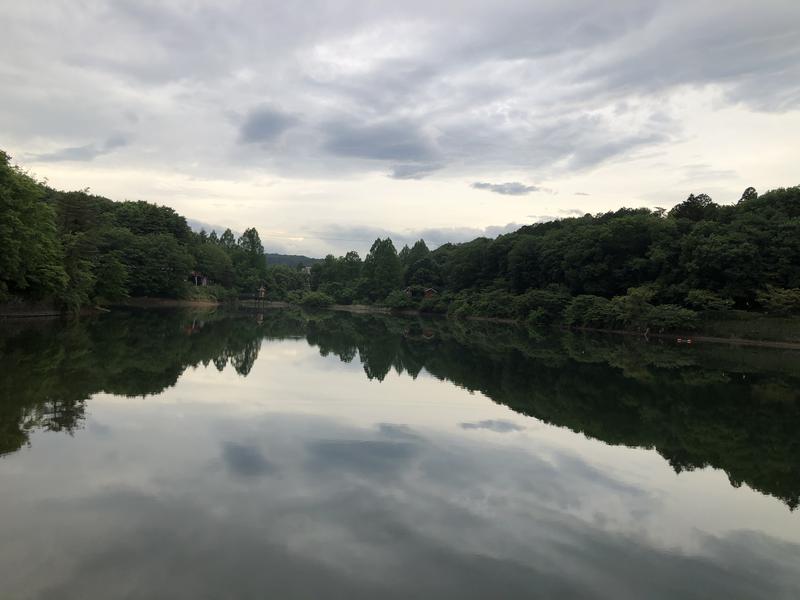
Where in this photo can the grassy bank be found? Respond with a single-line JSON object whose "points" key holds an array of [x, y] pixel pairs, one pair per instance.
{"points": [[167, 302]]}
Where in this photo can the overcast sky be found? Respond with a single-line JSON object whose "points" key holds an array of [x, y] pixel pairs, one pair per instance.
{"points": [[324, 124]]}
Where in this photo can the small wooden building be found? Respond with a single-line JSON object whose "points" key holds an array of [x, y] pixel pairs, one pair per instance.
{"points": [[198, 278]]}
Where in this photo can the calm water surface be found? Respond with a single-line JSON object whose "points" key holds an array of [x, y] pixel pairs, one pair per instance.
{"points": [[163, 454]]}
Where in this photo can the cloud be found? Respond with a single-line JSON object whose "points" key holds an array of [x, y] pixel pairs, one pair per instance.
{"points": [[374, 458], [397, 431], [753, 56], [413, 171], [497, 426], [704, 173], [560, 214], [458, 514], [245, 460], [197, 225], [393, 140], [398, 85], [511, 188], [264, 125], [83, 153]]}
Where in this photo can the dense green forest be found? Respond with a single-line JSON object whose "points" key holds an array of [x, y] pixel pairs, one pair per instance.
{"points": [[632, 268], [72, 249], [730, 408]]}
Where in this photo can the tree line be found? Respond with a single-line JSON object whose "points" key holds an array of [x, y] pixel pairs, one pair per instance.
{"points": [[73, 249], [630, 268]]}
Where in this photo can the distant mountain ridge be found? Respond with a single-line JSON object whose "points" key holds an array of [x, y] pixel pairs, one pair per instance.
{"points": [[290, 260], [273, 258]]}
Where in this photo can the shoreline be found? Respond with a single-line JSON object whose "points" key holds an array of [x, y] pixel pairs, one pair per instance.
{"points": [[45, 312], [146, 302], [687, 338], [692, 338]]}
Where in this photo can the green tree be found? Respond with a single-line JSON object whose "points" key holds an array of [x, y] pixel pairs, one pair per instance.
{"points": [[111, 277], [780, 301], [382, 270], [749, 194], [250, 264], [143, 218], [214, 262], [695, 208], [157, 265], [227, 240], [30, 255]]}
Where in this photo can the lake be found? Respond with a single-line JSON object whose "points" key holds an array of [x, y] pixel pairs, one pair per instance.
{"points": [[179, 454]]}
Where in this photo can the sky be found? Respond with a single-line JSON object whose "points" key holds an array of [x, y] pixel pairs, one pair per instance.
{"points": [[327, 124]]}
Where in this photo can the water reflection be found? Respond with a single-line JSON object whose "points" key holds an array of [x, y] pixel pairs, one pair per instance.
{"points": [[733, 409], [173, 497]]}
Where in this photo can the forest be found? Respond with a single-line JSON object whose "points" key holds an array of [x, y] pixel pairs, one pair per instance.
{"points": [[74, 249], [630, 268]]}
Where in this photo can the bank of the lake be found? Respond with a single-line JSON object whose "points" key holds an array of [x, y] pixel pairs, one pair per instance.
{"points": [[168, 303], [736, 327], [732, 327]]}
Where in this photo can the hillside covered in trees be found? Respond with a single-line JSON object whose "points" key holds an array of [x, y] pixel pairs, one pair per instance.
{"points": [[632, 268], [72, 249], [290, 260]]}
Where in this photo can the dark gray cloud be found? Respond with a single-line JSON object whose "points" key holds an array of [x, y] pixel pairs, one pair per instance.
{"points": [[413, 171], [597, 151], [246, 460], [392, 140], [511, 188], [374, 458], [264, 125], [83, 153], [397, 431], [495, 425]]}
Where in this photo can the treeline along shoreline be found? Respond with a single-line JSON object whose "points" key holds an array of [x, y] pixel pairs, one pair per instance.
{"points": [[631, 269]]}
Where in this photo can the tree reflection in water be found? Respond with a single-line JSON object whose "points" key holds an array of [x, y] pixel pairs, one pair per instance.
{"points": [[736, 409]]}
